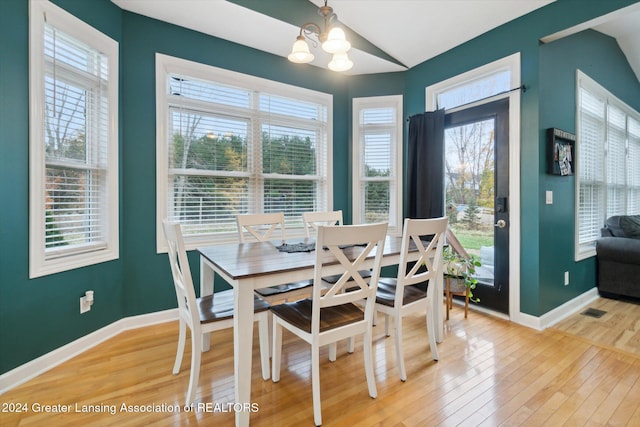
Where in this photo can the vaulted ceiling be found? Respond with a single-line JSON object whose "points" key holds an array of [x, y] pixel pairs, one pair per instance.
{"points": [[386, 35]]}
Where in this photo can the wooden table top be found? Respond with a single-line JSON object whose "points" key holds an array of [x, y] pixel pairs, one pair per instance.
{"points": [[245, 260]]}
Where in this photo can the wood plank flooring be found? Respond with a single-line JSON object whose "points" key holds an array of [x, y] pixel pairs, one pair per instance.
{"points": [[490, 373], [619, 326]]}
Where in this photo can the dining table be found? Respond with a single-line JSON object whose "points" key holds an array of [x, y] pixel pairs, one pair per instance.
{"points": [[254, 265]]}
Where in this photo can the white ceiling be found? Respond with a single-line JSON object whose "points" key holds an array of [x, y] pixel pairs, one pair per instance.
{"points": [[410, 31]]}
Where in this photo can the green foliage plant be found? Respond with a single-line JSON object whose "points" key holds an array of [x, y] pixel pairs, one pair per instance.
{"points": [[459, 267]]}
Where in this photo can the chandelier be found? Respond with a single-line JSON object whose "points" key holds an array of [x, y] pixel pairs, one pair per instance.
{"points": [[332, 39]]}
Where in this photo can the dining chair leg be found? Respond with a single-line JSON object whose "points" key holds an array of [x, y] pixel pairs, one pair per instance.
{"points": [[263, 332], [270, 331], [351, 345], [368, 363], [431, 330], [196, 358], [182, 338], [315, 384], [399, 349], [276, 352], [333, 351], [387, 325]]}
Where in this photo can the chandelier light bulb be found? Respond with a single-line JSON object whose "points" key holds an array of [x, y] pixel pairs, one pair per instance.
{"points": [[340, 62], [336, 41], [300, 52]]}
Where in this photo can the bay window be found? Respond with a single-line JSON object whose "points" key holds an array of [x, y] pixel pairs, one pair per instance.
{"points": [[230, 144]]}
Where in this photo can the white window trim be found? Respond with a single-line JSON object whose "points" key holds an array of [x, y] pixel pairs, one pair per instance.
{"points": [[395, 210], [59, 18], [511, 62], [166, 65], [584, 251]]}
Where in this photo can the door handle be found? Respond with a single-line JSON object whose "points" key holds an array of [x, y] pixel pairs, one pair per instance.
{"points": [[501, 223]]}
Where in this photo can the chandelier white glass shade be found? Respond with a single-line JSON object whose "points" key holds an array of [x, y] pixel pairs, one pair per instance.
{"points": [[300, 53], [332, 39], [336, 41], [340, 62]]}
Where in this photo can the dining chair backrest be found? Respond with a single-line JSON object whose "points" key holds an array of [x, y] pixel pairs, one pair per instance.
{"points": [[182, 279], [260, 226], [348, 247], [430, 262], [311, 220]]}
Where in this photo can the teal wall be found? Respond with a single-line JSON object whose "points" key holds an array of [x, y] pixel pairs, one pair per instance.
{"points": [[39, 315], [600, 58]]}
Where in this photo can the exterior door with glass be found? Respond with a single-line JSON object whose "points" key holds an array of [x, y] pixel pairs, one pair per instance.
{"points": [[477, 193]]}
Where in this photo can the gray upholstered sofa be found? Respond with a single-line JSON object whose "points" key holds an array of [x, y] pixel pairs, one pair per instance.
{"points": [[619, 256]]}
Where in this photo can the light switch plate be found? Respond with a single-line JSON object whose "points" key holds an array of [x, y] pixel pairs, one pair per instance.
{"points": [[549, 197]]}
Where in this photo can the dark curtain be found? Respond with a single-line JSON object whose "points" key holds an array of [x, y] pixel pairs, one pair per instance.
{"points": [[425, 187]]}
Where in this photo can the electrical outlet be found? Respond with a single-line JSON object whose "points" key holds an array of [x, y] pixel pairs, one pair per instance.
{"points": [[566, 278], [84, 305], [86, 302]]}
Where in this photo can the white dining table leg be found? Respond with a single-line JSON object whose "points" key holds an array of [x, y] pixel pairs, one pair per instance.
{"points": [[207, 276], [242, 349]]}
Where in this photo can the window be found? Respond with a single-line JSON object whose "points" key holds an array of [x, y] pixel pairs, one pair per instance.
{"points": [[229, 144], [377, 170], [608, 145], [481, 87], [73, 142]]}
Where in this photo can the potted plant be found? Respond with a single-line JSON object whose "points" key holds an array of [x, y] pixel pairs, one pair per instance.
{"points": [[460, 271]]}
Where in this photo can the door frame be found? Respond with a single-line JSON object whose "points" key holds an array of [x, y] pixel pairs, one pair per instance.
{"points": [[511, 63]]}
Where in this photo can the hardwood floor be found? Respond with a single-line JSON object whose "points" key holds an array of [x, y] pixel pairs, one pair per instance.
{"points": [[491, 372], [619, 326]]}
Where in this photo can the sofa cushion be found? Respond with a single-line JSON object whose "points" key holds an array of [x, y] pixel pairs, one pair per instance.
{"points": [[630, 225], [613, 226]]}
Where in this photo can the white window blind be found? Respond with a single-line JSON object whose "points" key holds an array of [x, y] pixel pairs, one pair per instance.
{"points": [[591, 166], [377, 169], [235, 146], [633, 176], [73, 143], [608, 149], [76, 131]]}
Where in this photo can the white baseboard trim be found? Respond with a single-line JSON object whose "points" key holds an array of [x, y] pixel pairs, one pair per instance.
{"points": [[569, 308], [556, 315], [35, 367]]}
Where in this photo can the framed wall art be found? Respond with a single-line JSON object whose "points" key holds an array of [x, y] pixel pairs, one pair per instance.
{"points": [[561, 152]]}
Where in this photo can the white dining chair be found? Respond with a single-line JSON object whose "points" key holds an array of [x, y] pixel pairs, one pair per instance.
{"points": [[311, 220], [261, 228], [205, 314], [406, 293], [331, 315]]}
